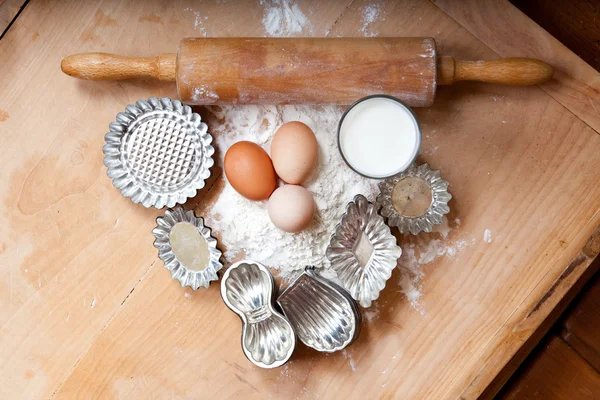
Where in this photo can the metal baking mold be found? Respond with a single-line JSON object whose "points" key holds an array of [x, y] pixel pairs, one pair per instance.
{"points": [[248, 289], [158, 152], [186, 275], [323, 314], [433, 185], [362, 251]]}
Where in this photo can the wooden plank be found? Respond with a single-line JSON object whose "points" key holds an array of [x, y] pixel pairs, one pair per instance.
{"points": [[555, 372], [8, 10], [471, 308], [576, 25], [581, 328], [509, 32], [71, 248], [524, 351], [519, 164]]}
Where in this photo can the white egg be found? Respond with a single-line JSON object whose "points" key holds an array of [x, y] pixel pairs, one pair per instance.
{"points": [[291, 208]]}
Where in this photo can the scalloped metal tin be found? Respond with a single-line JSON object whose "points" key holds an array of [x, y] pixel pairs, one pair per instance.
{"points": [[186, 276], [158, 152], [268, 338], [362, 251], [323, 314], [438, 190]]}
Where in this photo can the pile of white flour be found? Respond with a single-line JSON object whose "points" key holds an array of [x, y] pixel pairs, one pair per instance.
{"points": [[244, 225]]}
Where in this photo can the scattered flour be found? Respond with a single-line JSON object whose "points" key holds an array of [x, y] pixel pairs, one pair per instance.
{"points": [[351, 362], [487, 236], [283, 18], [422, 250], [198, 20], [244, 225], [187, 295], [371, 313], [370, 14]]}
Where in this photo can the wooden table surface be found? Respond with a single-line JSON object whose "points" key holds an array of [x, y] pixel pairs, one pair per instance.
{"points": [[87, 311]]}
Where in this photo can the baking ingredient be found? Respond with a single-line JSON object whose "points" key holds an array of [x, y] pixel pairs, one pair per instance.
{"points": [[291, 208], [250, 170], [283, 18], [189, 246], [379, 137], [294, 152], [244, 227]]}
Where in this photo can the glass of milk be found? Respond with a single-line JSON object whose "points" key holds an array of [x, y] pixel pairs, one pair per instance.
{"points": [[379, 136]]}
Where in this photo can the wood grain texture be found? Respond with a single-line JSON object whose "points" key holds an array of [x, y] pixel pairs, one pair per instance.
{"points": [[510, 33], [575, 25], [306, 71], [110, 67], [87, 311], [581, 328], [555, 372], [8, 10], [522, 355]]}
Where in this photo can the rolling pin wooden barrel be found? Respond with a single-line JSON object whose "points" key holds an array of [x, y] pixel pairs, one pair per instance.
{"points": [[306, 70]]}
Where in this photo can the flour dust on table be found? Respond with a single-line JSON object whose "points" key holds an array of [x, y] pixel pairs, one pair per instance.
{"points": [[245, 227]]}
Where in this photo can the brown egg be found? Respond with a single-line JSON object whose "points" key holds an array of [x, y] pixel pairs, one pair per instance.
{"points": [[294, 151], [250, 171]]}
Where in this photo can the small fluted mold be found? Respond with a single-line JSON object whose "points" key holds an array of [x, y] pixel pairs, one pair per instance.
{"points": [[248, 289], [433, 212], [187, 275], [323, 314], [362, 251], [158, 152]]}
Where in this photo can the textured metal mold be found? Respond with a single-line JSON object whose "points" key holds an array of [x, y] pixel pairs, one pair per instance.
{"points": [[434, 214], [323, 314], [248, 289], [362, 251], [158, 152], [179, 271]]}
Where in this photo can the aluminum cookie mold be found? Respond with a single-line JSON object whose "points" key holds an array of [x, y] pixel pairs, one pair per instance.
{"points": [[362, 251], [158, 152], [188, 275], [407, 214], [323, 315], [248, 289]]}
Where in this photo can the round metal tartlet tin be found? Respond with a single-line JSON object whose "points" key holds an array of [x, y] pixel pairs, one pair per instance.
{"points": [[384, 96], [432, 215], [158, 152], [179, 271]]}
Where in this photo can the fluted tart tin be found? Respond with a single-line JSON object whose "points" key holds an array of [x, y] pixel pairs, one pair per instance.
{"points": [[324, 315], [248, 289], [187, 248], [362, 251], [158, 152], [415, 200]]}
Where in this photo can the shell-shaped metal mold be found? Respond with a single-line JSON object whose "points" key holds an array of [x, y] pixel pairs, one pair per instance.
{"points": [[362, 251], [184, 268], [158, 152], [248, 289], [323, 314], [415, 200]]}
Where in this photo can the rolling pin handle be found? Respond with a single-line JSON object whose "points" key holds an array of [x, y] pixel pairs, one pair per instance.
{"points": [[104, 66], [507, 71]]}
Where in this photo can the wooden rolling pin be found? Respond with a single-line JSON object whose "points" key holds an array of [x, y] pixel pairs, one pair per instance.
{"points": [[306, 70]]}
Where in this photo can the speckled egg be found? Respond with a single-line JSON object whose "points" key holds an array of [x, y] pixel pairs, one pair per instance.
{"points": [[249, 170], [294, 151]]}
